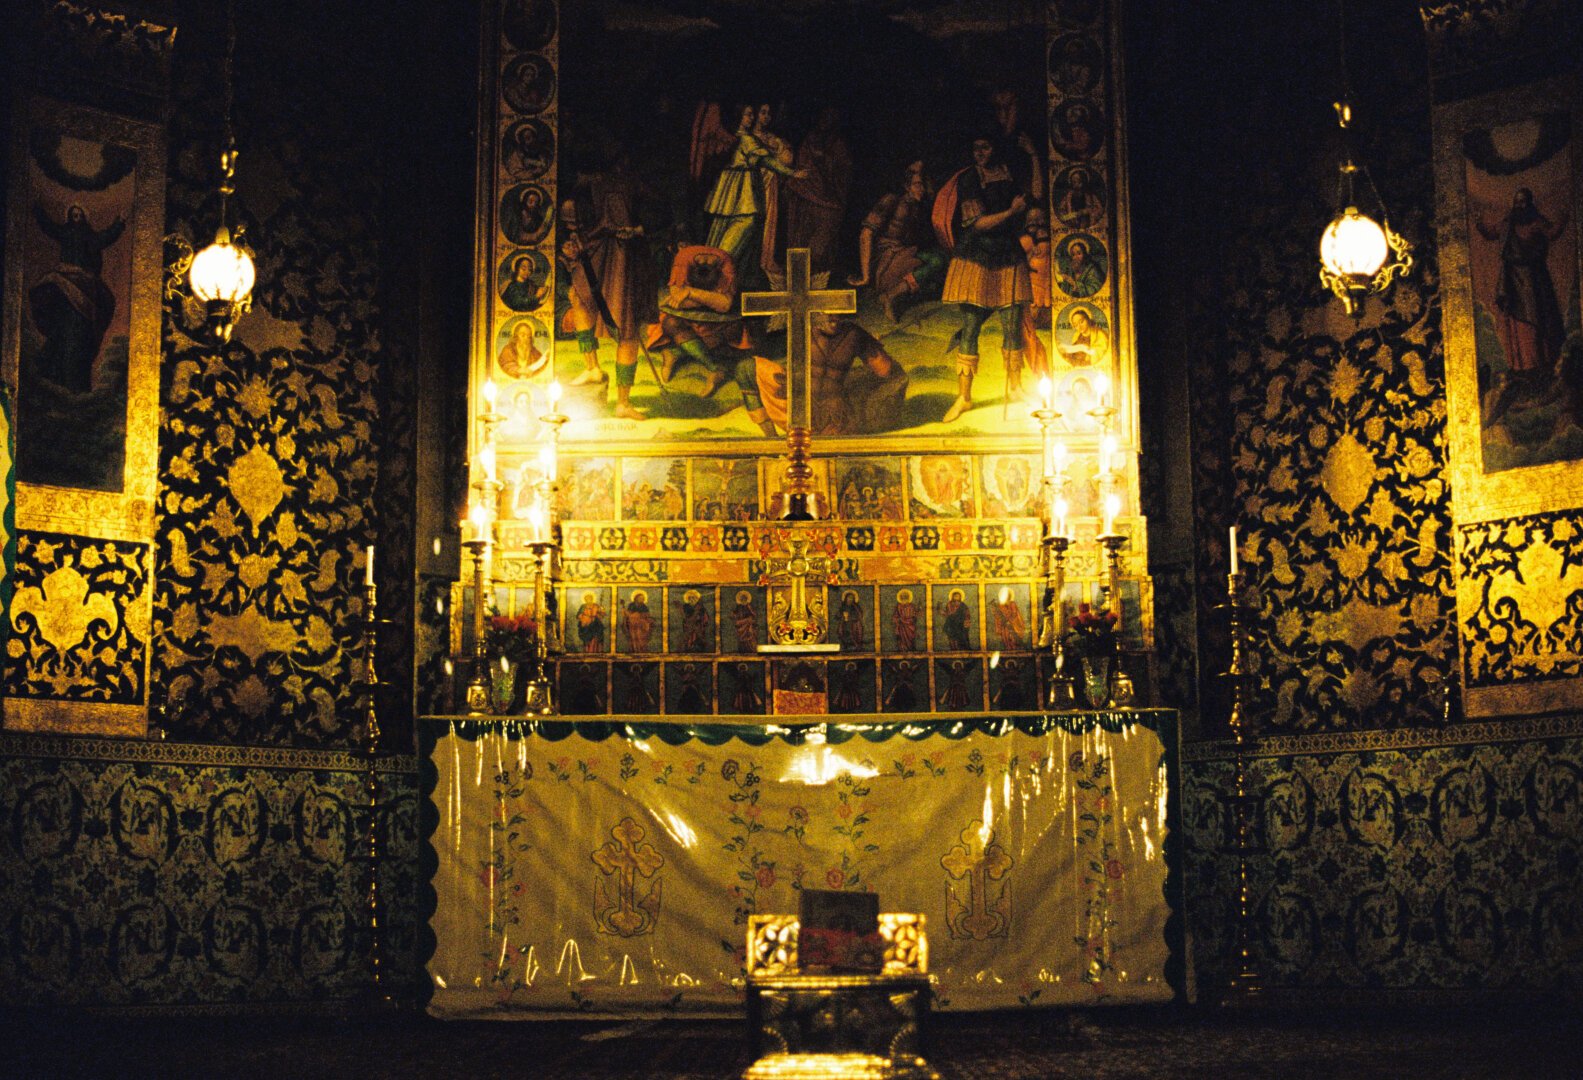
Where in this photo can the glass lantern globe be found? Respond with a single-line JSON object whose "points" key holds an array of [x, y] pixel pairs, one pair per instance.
{"points": [[221, 272], [1353, 247], [222, 277]]}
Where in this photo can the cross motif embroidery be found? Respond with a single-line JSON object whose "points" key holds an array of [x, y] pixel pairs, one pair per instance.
{"points": [[627, 859], [978, 860]]}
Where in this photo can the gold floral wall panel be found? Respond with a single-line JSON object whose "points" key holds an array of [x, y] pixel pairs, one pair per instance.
{"points": [[270, 447], [1509, 172], [1335, 455]]}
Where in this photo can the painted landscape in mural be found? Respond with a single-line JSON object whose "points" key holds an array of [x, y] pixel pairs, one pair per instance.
{"points": [[76, 312], [909, 154], [1523, 249]]}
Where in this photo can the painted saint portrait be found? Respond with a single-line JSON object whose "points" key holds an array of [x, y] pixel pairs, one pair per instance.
{"points": [[1080, 265], [525, 213], [521, 348], [956, 618], [637, 622], [1078, 196], [528, 84], [76, 312], [1075, 64], [1082, 336], [528, 149], [522, 279], [903, 620], [528, 24], [746, 622], [1523, 254], [692, 620], [1077, 130]]}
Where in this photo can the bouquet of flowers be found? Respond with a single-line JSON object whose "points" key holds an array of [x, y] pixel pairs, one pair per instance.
{"points": [[1092, 634], [514, 637]]}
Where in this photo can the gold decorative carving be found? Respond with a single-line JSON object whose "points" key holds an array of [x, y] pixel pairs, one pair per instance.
{"points": [[1348, 472]]}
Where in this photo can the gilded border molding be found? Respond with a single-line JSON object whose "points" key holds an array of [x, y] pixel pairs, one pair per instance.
{"points": [[170, 753], [1523, 729]]}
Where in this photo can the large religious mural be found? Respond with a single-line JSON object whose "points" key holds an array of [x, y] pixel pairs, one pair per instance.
{"points": [[681, 152]]}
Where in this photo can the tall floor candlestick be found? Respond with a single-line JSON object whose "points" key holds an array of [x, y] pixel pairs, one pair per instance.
{"points": [[371, 738], [1245, 980]]}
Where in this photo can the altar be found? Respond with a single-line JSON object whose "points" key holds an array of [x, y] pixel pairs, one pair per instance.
{"points": [[612, 866]]}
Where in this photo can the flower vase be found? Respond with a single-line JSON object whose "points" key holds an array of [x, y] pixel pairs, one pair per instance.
{"points": [[1096, 681], [503, 696]]}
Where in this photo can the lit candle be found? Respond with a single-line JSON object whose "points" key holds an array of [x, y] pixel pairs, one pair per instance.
{"points": [[368, 566], [1233, 549], [1112, 508], [1046, 393], [486, 461], [1102, 389], [547, 461], [1107, 454], [536, 521], [479, 516], [555, 394], [1058, 512], [491, 394]]}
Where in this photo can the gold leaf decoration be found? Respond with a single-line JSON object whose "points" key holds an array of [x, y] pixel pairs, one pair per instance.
{"points": [[256, 484]]}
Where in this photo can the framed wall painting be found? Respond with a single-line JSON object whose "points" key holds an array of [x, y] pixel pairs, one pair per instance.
{"points": [[1509, 176], [81, 347]]}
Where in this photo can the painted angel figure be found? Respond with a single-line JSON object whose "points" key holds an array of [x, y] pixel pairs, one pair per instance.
{"points": [[744, 201]]}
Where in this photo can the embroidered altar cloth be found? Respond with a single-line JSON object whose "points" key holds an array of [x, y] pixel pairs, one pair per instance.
{"points": [[608, 866]]}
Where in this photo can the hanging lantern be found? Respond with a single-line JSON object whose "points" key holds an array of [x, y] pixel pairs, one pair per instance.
{"points": [[1358, 255]]}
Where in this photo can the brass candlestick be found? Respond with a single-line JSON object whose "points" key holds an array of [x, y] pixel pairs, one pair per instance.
{"points": [[1245, 981], [539, 698], [477, 701], [798, 499], [1121, 690], [371, 738], [1060, 694]]}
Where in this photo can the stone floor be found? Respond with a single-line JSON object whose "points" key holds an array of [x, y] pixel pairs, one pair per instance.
{"points": [[1530, 1043]]}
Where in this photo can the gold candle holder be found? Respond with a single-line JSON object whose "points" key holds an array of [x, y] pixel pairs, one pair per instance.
{"points": [[1060, 693], [1121, 690], [477, 698], [539, 699]]}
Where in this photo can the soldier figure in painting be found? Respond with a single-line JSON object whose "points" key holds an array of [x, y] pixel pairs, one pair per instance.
{"points": [[896, 248], [979, 215]]}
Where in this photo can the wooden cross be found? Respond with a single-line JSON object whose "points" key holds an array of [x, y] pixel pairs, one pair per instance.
{"points": [[799, 301]]}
